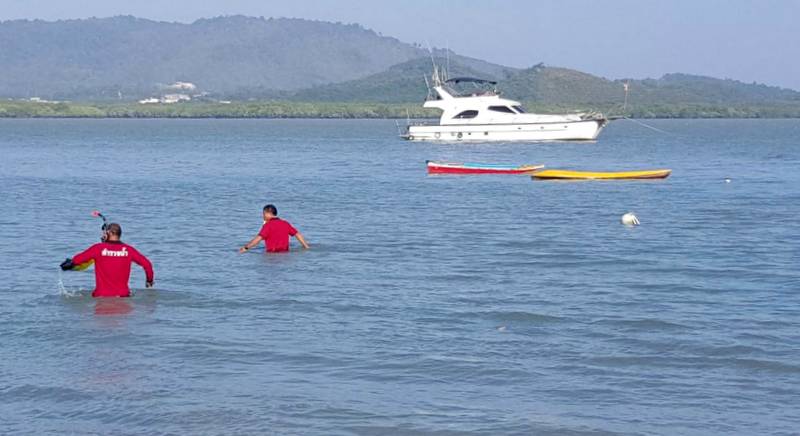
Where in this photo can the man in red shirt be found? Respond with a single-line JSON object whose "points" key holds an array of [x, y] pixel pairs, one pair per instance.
{"points": [[112, 264], [275, 233]]}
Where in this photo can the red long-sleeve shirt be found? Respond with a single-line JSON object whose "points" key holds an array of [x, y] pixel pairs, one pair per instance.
{"points": [[112, 267]]}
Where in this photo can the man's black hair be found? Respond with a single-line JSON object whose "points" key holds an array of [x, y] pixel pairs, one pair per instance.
{"points": [[114, 229], [271, 209]]}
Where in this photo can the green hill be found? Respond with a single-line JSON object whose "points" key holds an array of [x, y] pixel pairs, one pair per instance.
{"points": [[561, 86], [556, 89], [402, 83], [564, 87]]}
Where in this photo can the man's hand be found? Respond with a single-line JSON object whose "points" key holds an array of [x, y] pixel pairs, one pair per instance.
{"points": [[148, 284], [251, 244], [67, 264]]}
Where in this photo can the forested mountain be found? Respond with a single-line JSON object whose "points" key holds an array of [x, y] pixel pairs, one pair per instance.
{"points": [[249, 59], [106, 57], [103, 57]]}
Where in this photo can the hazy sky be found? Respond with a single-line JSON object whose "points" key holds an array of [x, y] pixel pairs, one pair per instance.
{"points": [[739, 39]]}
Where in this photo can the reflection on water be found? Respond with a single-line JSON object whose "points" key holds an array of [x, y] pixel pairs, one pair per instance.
{"points": [[112, 306]]}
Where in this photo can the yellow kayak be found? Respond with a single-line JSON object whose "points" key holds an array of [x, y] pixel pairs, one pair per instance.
{"points": [[590, 175]]}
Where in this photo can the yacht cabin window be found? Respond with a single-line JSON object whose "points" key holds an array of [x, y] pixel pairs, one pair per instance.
{"points": [[466, 115], [519, 109], [504, 109]]}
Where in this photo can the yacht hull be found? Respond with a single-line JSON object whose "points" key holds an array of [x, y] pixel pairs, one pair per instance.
{"points": [[583, 130]]}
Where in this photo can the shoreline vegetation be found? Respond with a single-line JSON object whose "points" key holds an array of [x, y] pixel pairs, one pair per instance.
{"points": [[347, 110]]}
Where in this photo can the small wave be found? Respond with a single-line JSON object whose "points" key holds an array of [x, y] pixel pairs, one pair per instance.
{"points": [[29, 392], [654, 360], [733, 350], [521, 316], [643, 324], [768, 365], [455, 277]]}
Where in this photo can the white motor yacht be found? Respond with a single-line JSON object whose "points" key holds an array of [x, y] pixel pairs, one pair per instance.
{"points": [[481, 115]]}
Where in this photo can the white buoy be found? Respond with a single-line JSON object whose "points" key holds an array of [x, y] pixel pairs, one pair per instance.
{"points": [[629, 219], [727, 180]]}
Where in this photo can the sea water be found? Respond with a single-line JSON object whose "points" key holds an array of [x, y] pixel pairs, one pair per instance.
{"points": [[427, 304]]}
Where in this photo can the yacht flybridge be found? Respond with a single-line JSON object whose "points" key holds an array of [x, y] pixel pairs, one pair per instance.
{"points": [[481, 115]]}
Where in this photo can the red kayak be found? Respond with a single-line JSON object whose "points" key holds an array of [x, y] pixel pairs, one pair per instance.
{"points": [[477, 168]]}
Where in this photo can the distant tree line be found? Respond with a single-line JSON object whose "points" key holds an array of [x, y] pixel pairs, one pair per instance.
{"points": [[290, 109]]}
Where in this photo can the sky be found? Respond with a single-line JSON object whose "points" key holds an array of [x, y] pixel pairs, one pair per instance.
{"points": [[738, 39]]}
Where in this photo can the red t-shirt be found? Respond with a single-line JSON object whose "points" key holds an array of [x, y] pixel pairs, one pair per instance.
{"points": [[112, 267], [275, 233]]}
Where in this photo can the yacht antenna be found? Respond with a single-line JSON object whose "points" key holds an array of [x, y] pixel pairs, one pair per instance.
{"points": [[625, 86], [427, 85], [447, 53], [437, 76], [436, 79]]}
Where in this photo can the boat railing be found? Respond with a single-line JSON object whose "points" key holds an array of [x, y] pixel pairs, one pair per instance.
{"points": [[475, 93], [422, 123]]}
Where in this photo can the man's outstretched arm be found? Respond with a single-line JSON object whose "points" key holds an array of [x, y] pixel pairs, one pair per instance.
{"points": [[253, 242], [302, 240], [145, 263], [84, 256]]}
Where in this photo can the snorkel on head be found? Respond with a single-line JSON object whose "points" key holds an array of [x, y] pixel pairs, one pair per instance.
{"points": [[104, 227]]}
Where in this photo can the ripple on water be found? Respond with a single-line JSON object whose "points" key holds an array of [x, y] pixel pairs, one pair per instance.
{"points": [[521, 317]]}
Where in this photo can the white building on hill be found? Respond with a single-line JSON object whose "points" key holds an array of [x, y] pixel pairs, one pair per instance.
{"points": [[174, 98], [183, 86]]}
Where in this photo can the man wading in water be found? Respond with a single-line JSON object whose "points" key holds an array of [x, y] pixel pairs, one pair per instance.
{"points": [[112, 263], [275, 233]]}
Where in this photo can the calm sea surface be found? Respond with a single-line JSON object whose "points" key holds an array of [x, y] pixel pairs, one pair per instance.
{"points": [[427, 305]]}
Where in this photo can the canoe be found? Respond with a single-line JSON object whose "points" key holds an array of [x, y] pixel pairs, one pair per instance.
{"points": [[477, 168], [590, 175]]}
